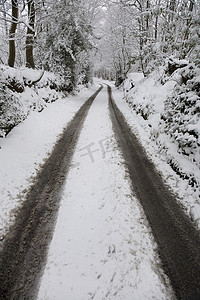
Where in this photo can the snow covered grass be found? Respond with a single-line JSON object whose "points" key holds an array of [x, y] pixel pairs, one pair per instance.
{"points": [[25, 149], [102, 247], [144, 104]]}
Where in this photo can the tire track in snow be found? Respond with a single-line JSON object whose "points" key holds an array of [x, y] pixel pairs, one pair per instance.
{"points": [[178, 241], [25, 247], [102, 247]]}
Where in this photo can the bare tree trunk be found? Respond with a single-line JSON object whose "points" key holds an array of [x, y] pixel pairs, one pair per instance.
{"points": [[191, 6], [5, 19], [141, 44], [156, 29], [147, 16], [189, 19], [30, 35], [156, 21], [11, 58], [172, 7], [187, 31]]}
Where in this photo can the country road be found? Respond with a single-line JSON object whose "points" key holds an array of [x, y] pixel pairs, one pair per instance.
{"points": [[25, 249]]}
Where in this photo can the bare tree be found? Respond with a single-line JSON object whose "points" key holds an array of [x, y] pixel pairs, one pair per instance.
{"points": [[11, 59], [3, 12], [30, 34]]}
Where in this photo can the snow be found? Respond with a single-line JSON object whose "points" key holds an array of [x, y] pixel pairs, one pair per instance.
{"points": [[149, 97], [142, 107], [102, 246], [25, 149], [17, 99]]}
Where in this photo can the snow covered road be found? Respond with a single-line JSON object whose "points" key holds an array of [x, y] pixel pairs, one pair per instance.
{"points": [[102, 246]]}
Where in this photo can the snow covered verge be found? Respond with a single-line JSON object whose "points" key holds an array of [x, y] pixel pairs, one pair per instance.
{"points": [[24, 90], [24, 150], [165, 112]]}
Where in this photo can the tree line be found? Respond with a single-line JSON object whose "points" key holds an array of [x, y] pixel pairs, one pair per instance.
{"points": [[72, 37], [145, 32], [54, 35]]}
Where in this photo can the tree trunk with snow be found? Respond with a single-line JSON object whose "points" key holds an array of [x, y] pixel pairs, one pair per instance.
{"points": [[30, 35], [11, 59]]}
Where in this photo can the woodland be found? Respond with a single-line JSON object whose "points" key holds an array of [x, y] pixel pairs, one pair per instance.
{"points": [[79, 38], [59, 45]]}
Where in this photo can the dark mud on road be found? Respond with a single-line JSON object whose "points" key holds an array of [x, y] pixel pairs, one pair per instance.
{"points": [[178, 241], [24, 252]]}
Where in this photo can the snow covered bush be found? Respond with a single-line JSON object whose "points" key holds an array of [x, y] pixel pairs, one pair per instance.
{"points": [[21, 93], [146, 95], [10, 111], [182, 112], [167, 104]]}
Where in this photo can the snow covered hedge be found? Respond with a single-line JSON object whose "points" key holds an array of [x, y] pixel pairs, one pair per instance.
{"points": [[182, 112], [20, 93], [168, 102]]}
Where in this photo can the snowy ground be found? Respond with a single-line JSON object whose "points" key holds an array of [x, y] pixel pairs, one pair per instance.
{"points": [[160, 148], [25, 149], [102, 246]]}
